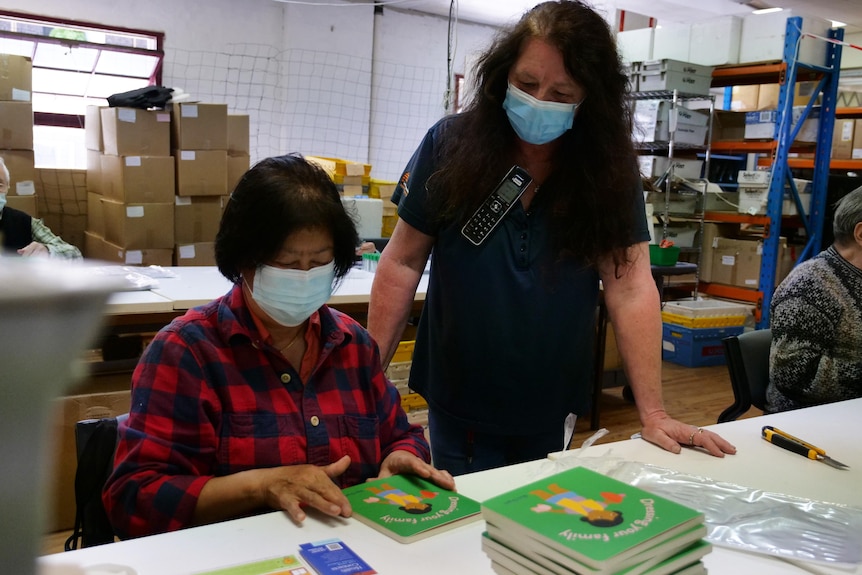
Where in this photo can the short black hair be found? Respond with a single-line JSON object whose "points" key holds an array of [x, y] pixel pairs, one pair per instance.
{"points": [[275, 198]]}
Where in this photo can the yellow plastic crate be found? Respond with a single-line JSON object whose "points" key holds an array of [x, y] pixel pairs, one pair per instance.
{"points": [[412, 402], [701, 322], [404, 352]]}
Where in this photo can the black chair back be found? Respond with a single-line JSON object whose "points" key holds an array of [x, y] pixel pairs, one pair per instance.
{"points": [[96, 442], [747, 358]]}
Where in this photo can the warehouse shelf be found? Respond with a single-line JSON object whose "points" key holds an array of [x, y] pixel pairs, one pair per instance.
{"points": [[786, 73]]}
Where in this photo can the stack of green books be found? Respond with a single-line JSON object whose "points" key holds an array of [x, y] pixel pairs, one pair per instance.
{"points": [[580, 521]]}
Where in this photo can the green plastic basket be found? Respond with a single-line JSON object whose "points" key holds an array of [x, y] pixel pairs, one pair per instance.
{"points": [[659, 256]]}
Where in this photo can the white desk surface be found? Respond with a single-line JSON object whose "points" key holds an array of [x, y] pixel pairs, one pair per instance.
{"points": [[757, 464], [139, 301], [197, 285]]}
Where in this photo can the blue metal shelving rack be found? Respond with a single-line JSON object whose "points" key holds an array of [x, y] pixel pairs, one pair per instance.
{"points": [[785, 133]]}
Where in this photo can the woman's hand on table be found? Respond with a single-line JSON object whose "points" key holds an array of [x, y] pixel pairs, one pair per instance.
{"points": [[671, 435], [405, 463]]}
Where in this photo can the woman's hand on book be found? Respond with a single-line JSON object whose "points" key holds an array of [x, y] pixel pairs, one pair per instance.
{"points": [[401, 462], [293, 486]]}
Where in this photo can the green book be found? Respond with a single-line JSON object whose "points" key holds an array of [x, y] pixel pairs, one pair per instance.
{"points": [[599, 522], [408, 508]]}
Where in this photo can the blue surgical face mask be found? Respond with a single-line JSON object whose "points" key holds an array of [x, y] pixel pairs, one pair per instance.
{"points": [[291, 296], [2, 201], [536, 121]]}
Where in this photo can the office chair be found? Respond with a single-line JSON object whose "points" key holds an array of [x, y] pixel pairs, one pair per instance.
{"points": [[747, 358], [95, 441]]}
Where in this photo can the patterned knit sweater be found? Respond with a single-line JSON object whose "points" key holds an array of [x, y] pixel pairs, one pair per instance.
{"points": [[816, 321]]}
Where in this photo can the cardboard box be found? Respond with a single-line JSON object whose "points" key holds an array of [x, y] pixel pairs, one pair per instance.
{"points": [[197, 218], [94, 171], [16, 126], [93, 128], [237, 165], [101, 249], [744, 98], [26, 204], [238, 134], [761, 125], [62, 191], [842, 138], [16, 78], [711, 231], [138, 179], [856, 152], [139, 226], [95, 215], [199, 126], [727, 126], [198, 254], [737, 261], [68, 411], [22, 171], [134, 132], [201, 172], [715, 42], [768, 95]]}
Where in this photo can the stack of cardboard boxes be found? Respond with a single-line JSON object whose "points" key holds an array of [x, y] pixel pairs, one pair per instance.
{"points": [[158, 179], [16, 131]]}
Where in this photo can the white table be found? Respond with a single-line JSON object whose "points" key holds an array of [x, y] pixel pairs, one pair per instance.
{"points": [[757, 464]]}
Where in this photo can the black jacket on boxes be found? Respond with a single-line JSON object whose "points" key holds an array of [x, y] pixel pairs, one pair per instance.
{"points": [[15, 229]]}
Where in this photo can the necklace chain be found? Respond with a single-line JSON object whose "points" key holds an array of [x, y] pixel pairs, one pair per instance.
{"points": [[284, 349]]}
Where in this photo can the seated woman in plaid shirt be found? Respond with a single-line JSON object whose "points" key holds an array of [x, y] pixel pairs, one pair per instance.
{"points": [[264, 398]]}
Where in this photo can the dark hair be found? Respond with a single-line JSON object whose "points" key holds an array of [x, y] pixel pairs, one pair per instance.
{"points": [[848, 214], [595, 176], [275, 198]]}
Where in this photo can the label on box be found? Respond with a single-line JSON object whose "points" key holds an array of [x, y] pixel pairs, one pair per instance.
{"points": [[189, 111], [25, 188], [134, 257], [135, 211], [187, 252], [20, 95], [728, 260], [187, 155], [126, 115], [133, 161], [183, 200], [163, 117]]}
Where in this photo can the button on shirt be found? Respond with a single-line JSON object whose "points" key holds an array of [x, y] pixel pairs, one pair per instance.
{"points": [[210, 398]]}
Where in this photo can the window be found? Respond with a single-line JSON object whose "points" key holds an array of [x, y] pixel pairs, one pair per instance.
{"points": [[76, 64]]}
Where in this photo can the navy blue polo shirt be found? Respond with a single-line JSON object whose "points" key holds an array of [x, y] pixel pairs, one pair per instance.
{"points": [[504, 342]]}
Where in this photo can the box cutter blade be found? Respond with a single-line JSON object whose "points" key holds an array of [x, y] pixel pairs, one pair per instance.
{"points": [[784, 440]]}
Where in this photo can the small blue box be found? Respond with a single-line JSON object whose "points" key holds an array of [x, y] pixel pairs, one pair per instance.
{"points": [[695, 347]]}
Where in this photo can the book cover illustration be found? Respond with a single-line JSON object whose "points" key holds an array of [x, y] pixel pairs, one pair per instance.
{"points": [[597, 520], [334, 557], [407, 507]]}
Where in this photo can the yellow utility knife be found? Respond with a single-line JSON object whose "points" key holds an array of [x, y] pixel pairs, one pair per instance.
{"points": [[785, 440]]}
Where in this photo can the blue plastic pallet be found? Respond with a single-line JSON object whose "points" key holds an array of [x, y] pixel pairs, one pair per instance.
{"points": [[695, 347]]}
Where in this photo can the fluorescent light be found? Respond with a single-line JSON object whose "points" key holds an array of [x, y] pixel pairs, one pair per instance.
{"points": [[837, 24], [766, 11]]}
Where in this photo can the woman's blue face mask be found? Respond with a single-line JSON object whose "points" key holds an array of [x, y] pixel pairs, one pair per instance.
{"points": [[536, 121]]}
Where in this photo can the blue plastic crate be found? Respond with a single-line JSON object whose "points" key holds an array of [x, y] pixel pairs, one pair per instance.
{"points": [[695, 347]]}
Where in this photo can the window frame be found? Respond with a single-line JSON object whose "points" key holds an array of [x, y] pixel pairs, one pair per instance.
{"points": [[77, 120]]}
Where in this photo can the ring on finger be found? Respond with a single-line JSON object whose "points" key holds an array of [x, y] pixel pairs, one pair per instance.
{"points": [[693, 433]]}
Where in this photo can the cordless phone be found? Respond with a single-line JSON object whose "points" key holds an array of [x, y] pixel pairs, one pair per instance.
{"points": [[496, 206]]}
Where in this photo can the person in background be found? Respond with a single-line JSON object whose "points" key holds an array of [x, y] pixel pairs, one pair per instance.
{"points": [[503, 351], [816, 321], [25, 235], [366, 248], [265, 398]]}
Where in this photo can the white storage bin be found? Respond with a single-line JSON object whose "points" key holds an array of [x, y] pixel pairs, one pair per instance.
{"points": [[672, 41], [706, 308], [763, 38], [636, 45], [715, 42], [670, 74]]}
